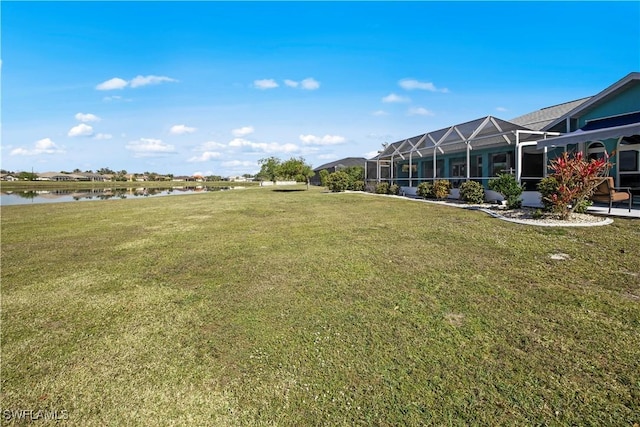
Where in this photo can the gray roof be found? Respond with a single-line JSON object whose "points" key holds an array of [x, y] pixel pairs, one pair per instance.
{"points": [[483, 132], [343, 163], [539, 119]]}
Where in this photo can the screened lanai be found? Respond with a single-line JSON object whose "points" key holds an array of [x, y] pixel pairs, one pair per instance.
{"points": [[476, 150]]}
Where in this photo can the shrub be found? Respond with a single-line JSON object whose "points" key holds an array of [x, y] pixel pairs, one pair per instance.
{"points": [[577, 180], [382, 188], [472, 192], [582, 206], [357, 186], [441, 188], [338, 181], [507, 185], [394, 189], [425, 189], [324, 174], [548, 187]]}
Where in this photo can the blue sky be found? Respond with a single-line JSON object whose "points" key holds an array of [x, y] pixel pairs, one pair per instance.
{"points": [[212, 87]]}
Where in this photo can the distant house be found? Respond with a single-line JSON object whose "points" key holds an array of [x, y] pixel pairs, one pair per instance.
{"points": [[8, 177], [336, 166], [93, 176], [184, 178], [55, 176]]}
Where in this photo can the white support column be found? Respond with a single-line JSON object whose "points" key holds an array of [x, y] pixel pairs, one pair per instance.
{"points": [[518, 157], [468, 160], [434, 163]]}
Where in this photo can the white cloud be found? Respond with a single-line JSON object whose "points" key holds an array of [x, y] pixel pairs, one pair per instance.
{"points": [[181, 129], [111, 84], [379, 113], [86, 118], [149, 147], [240, 142], [371, 154], [392, 97], [103, 136], [211, 145], [325, 140], [81, 130], [310, 84], [411, 84], [42, 146], [327, 156], [501, 109], [307, 84], [419, 111], [206, 156], [149, 80], [138, 81], [271, 147], [265, 84], [243, 131], [116, 98]]}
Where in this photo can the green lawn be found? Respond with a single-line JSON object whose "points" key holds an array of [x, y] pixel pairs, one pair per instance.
{"points": [[263, 307]]}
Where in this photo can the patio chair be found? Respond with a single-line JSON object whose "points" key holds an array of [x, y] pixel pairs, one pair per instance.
{"points": [[607, 193]]}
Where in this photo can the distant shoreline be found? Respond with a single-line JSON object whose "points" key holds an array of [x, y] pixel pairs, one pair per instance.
{"points": [[43, 185]]}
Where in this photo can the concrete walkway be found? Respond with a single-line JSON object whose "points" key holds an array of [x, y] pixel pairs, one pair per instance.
{"points": [[619, 211]]}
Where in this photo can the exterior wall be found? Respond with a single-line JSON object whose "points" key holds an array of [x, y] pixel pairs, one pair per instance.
{"points": [[626, 102]]}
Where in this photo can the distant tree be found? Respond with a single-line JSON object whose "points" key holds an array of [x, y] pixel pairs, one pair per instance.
{"points": [[269, 169], [298, 169], [247, 176], [107, 171], [76, 170], [27, 176]]}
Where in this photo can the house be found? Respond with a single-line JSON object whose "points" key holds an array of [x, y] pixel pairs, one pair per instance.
{"points": [[336, 166], [55, 176], [93, 176], [485, 147], [8, 177], [608, 122]]}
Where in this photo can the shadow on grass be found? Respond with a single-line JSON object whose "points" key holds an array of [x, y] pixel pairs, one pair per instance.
{"points": [[288, 190]]}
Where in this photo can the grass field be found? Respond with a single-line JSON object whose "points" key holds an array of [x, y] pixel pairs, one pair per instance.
{"points": [[263, 307]]}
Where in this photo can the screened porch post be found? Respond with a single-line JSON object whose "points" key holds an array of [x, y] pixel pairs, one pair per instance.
{"points": [[434, 163], [410, 169], [518, 157], [468, 160]]}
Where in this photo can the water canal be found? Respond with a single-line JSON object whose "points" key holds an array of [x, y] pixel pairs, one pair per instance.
{"points": [[31, 196]]}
